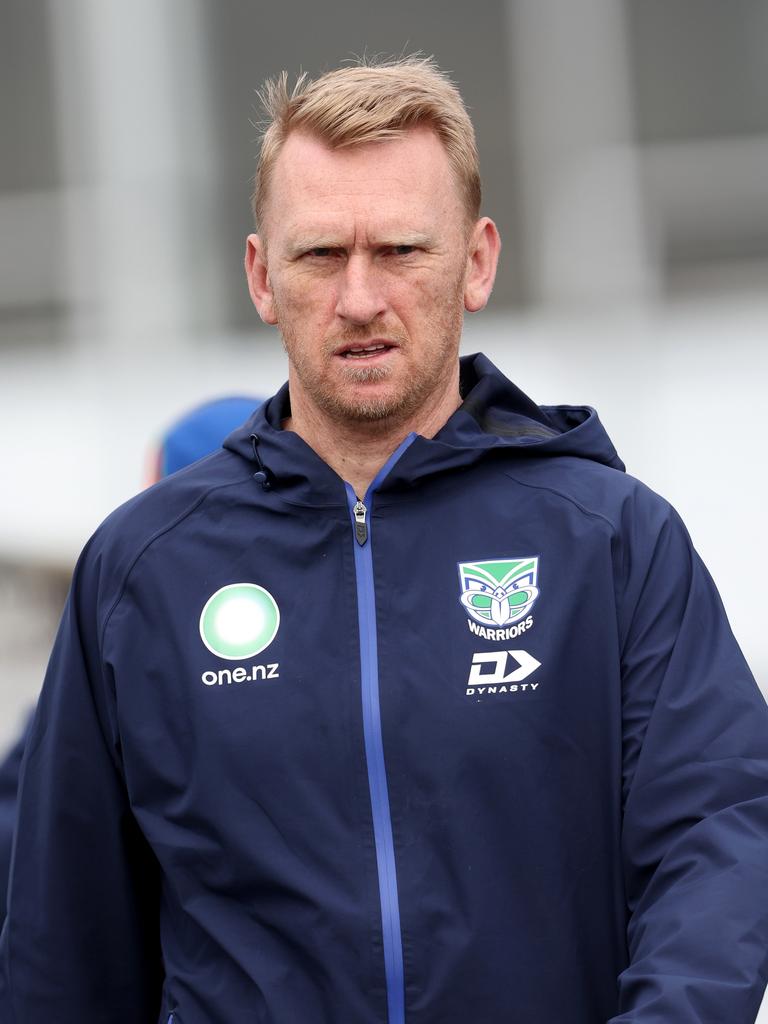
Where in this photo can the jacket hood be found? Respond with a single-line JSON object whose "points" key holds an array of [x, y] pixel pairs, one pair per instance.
{"points": [[495, 418]]}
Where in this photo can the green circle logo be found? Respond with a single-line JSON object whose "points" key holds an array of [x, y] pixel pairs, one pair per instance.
{"points": [[239, 621]]}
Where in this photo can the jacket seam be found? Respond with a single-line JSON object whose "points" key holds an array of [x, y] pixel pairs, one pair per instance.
{"points": [[151, 540], [312, 506], [614, 531], [566, 497]]}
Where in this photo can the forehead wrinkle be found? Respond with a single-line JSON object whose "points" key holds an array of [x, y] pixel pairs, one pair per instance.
{"points": [[301, 237], [313, 182], [357, 190]]}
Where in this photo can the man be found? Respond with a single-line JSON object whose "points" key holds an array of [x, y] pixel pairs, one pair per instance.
{"points": [[408, 705]]}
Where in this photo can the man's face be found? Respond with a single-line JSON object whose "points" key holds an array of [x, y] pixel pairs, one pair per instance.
{"points": [[365, 271]]}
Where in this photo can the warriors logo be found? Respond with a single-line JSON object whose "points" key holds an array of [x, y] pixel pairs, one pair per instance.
{"points": [[499, 592]]}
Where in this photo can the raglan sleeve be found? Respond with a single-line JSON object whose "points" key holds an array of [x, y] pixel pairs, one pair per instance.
{"points": [[695, 787], [80, 942]]}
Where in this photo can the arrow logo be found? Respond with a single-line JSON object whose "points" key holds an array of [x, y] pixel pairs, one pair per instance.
{"points": [[526, 665]]}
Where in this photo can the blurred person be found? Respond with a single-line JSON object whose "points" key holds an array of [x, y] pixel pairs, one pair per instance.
{"points": [[409, 704], [198, 432]]}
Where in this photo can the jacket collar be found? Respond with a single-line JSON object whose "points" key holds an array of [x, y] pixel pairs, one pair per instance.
{"points": [[494, 417]]}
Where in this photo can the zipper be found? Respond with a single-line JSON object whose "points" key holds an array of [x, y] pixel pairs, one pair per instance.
{"points": [[374, 744], [361, 530]]}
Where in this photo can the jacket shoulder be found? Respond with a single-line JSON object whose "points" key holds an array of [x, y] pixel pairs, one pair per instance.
{"points": [[597, 490], [131, 529]]}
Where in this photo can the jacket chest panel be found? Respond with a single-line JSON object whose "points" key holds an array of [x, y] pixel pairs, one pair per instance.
{"points": [[256, 700], [504, 610]]}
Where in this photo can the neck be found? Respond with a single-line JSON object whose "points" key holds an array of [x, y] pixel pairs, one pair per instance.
{"points": [[356, 450]]}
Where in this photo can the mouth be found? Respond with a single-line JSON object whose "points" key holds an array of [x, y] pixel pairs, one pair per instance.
{"points": [[365, 351]]}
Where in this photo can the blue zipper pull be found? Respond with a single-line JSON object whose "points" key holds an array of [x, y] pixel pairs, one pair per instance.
{"points": [[361, 527]]}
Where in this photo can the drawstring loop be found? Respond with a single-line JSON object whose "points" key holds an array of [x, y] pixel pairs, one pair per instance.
{"points": [[261, 475]]}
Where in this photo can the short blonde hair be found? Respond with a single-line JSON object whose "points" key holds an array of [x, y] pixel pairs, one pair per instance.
{"points": [[369, 101]]}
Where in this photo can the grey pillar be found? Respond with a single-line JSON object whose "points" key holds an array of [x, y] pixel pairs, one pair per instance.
{"points": [[585, 232], [132, 94]]}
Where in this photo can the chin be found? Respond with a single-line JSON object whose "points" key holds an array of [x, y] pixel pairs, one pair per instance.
{"points": [[364, 408]]}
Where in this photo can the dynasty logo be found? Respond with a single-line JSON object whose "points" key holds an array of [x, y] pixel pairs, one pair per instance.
{"points": [[498, 595], [490, 673]]}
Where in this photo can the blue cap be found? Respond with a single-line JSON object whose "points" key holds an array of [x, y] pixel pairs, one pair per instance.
{"points": [[201, 431]]}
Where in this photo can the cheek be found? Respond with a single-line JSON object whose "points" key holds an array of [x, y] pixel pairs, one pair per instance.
{"points": [[431, 296], [300, 297], [415, 291]]}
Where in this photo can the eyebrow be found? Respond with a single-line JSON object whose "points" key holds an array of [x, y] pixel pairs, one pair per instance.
{"points": [[309, 242], [300, 245], [410, 238]]}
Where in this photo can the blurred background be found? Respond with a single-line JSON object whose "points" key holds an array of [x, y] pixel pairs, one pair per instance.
{"points": [[624, 150]]}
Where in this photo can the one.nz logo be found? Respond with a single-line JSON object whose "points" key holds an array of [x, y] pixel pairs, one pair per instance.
{"points": [[498, 595], [238, 622]]}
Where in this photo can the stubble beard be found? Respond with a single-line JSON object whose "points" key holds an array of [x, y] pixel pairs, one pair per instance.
{"points": [[342, 405]]}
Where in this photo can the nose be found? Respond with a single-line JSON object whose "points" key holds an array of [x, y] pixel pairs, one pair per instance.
{"points": [[360, 297]]}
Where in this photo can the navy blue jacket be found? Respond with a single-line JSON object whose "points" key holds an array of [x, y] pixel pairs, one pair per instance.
{"points": [[9, 782], [479, 748]]}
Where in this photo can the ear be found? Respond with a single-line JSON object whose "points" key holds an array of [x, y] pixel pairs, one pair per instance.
{"points": [[258, 279], [482, 259]]}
